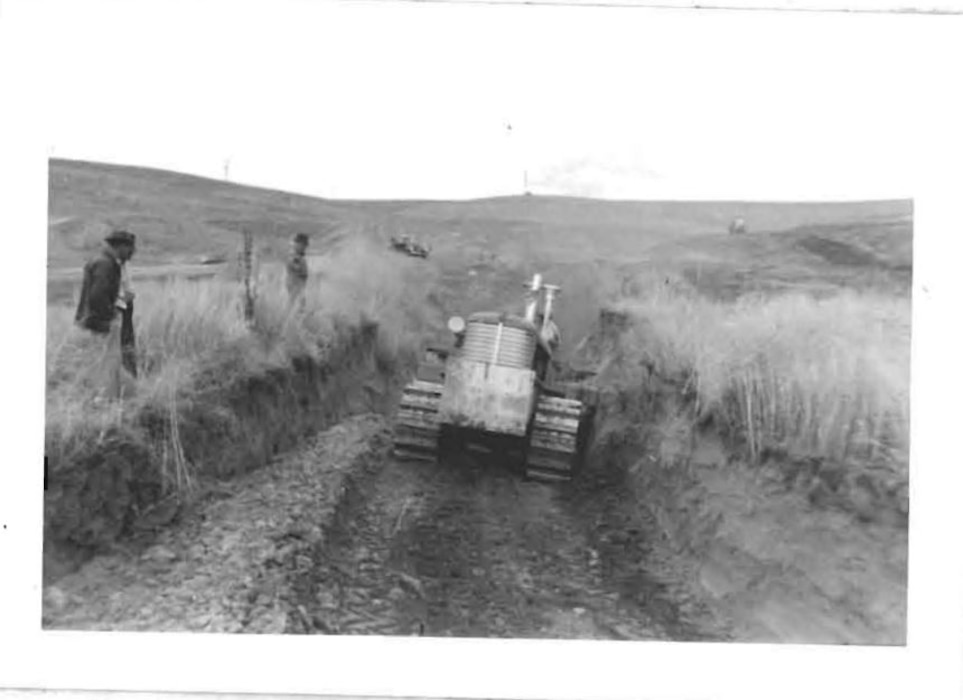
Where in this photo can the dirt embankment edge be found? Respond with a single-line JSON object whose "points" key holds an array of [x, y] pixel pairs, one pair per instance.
{"points": [[234, 420], [228, 565], [772, 563]]}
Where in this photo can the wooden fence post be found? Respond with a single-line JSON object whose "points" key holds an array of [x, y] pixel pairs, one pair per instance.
{"points": [[248, 272]]}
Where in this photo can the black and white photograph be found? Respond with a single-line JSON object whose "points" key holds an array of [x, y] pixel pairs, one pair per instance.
{"points": [[479, 321]]}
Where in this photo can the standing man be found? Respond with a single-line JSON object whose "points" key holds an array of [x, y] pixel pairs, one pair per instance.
{"points": [[297, 270], [104, 293]]}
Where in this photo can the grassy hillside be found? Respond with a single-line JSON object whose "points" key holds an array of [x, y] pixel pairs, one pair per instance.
{"points": [[817, 259], [482, 250], [181, 218]]}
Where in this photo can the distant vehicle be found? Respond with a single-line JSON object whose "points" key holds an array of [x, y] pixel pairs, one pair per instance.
{"points": [[737, 226], [213, 260], [493, 390], [406, 244]]}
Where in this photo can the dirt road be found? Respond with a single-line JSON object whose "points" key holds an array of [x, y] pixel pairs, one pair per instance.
{"points": [[398, 548], [465, 548]]}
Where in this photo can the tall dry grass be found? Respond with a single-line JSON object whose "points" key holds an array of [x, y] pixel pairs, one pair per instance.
{"points": [[184, 325], [810, 377]]}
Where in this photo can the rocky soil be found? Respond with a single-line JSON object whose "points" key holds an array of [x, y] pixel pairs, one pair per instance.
{"points": [[225, 566], [339, 538]]}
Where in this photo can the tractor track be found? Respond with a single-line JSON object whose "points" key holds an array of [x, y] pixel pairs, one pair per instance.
{"points": [[463, 549]]}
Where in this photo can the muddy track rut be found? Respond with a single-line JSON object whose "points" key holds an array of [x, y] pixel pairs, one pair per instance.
{"points": [[466, 549]]}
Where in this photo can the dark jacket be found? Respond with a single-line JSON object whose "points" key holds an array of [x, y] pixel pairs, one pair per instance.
{"points": [[98, 295]]}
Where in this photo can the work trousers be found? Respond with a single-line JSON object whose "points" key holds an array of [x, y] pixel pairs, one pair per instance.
{"points": [[96, 361]]}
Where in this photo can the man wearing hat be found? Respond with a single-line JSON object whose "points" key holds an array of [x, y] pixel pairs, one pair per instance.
{"points": [[105, 289], [105, 292], [297, 269]]}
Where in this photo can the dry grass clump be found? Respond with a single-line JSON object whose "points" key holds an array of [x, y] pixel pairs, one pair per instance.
{"points": [[810, 377]]}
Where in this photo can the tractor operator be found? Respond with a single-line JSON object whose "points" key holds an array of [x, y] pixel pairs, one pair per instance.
{"points": [[548, 332]]}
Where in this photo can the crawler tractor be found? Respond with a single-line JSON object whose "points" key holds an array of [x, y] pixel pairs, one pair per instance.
{"points": [[490, 391]]}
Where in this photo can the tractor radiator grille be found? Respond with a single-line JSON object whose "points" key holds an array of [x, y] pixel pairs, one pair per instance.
{"points": [[516, 347]]}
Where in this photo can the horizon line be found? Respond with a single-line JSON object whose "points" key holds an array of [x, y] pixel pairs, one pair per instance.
{"points": [[527, 194]]}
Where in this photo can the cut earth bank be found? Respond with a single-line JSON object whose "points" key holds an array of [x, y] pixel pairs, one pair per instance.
{"points": [[786, 550]]}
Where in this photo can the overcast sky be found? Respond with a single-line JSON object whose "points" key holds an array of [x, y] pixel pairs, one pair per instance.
{"points": [[358, 99]]}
